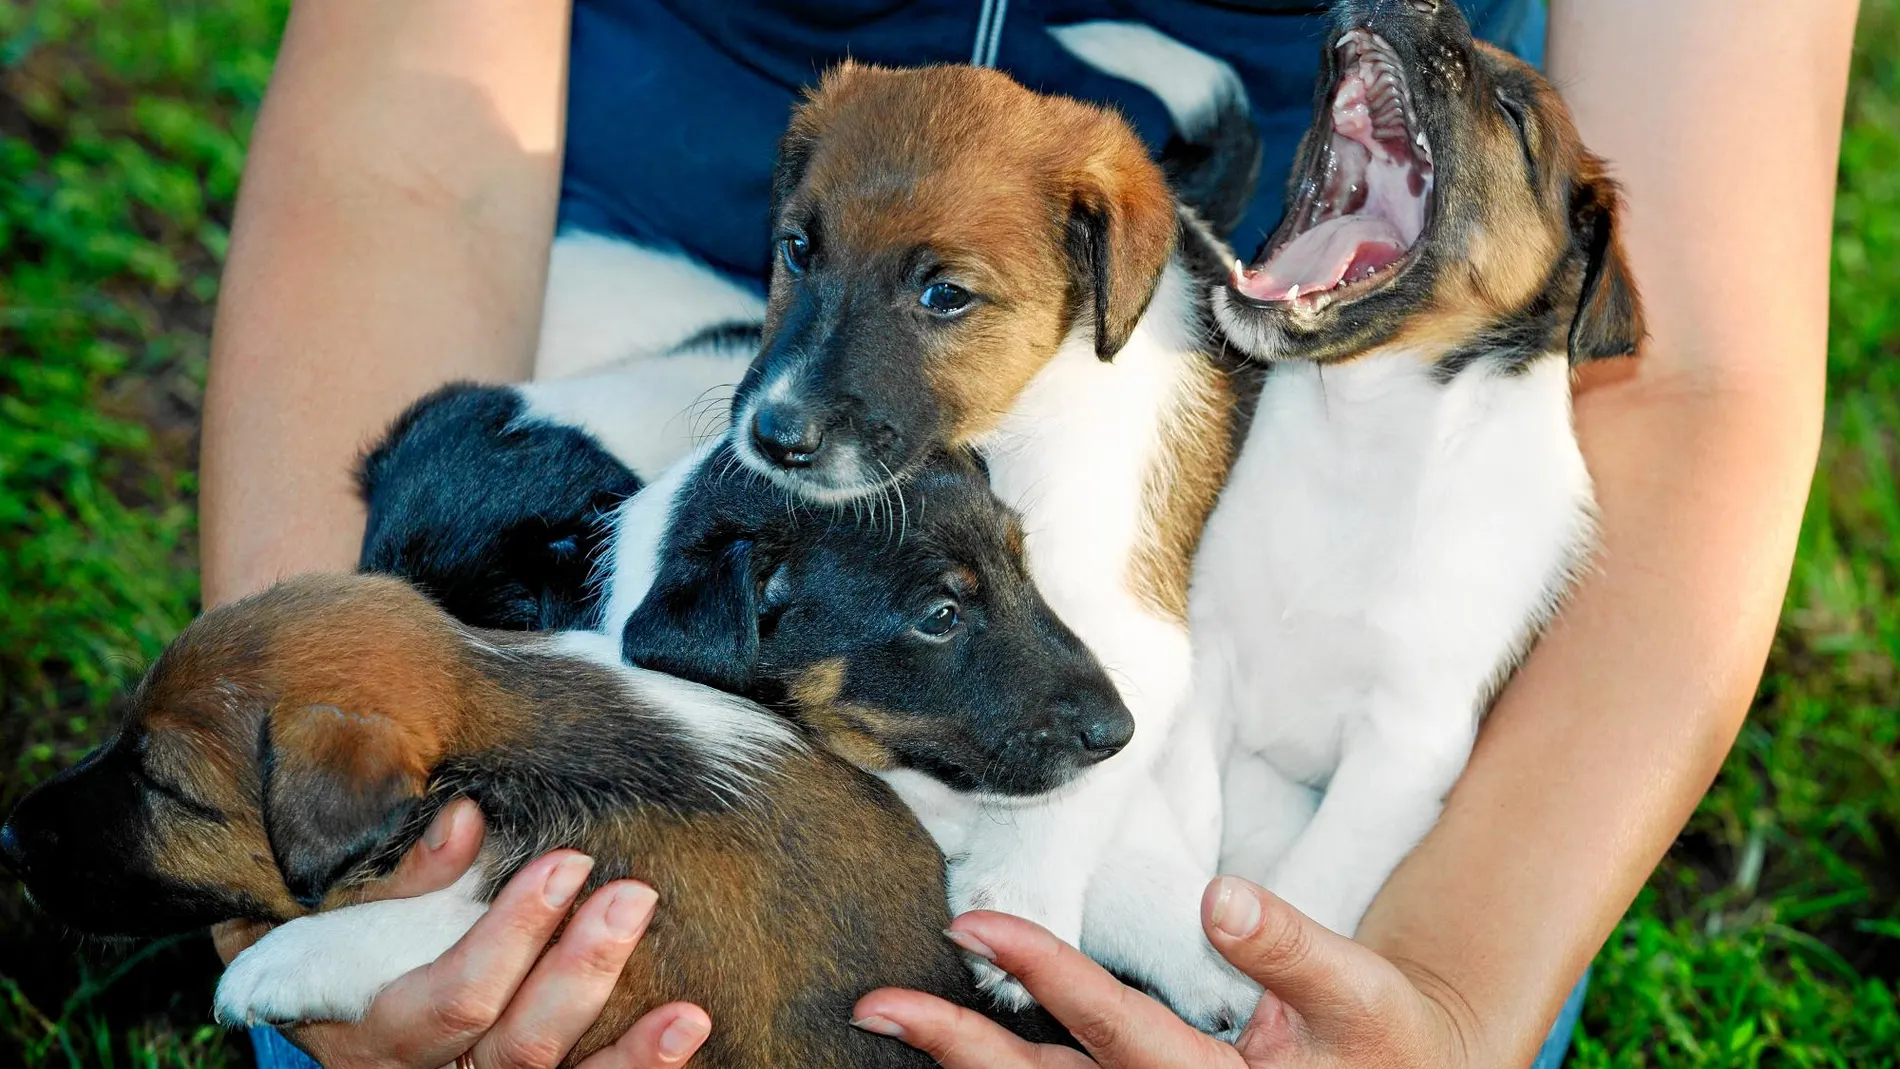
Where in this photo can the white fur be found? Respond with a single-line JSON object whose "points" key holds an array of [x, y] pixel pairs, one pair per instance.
{"points": [[1117, 861], [1189, 82], [740, 738], [646, 415], [1385, 549], [611, 302], [329, 966], [633, 560]]}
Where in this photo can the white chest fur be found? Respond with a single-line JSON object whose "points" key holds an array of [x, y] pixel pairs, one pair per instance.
{"points": [[1385, 548]]}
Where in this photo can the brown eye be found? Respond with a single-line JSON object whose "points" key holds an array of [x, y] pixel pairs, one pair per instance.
{"points": [[940, 621], [945, 299], [795, 250]]}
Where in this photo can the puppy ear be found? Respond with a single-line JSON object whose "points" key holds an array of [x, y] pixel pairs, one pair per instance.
{"points": [[700, 621], [337, 785], [1121, 233], [1609, 318]]}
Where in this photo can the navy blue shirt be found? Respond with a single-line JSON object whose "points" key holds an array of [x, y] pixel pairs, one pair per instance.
{"points": [[675, 106]]}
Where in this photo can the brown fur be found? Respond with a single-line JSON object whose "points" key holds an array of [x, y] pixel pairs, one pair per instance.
{"points": [[778, 908], [990, 177], [1048, 207]]}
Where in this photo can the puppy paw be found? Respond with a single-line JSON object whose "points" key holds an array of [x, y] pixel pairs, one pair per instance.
{"points": [[1219, 1002], [285, 983], [1002, 988]]}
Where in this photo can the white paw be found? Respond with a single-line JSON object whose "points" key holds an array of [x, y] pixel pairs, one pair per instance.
{"points": [[1219, 1001], [285, 982]]}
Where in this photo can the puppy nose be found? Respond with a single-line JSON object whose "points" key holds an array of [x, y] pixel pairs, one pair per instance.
{"points": [[12, 855], [1104, 736], [787, 436]]}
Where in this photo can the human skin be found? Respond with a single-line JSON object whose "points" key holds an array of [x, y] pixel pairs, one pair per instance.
{"points": [[378, 253]]}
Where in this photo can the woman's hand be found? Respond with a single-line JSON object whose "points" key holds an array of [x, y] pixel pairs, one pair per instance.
{"points": [[1330, 1001], [495, 994]]}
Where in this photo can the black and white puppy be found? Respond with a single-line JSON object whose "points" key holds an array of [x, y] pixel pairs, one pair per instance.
{"points": [[910, 637]]}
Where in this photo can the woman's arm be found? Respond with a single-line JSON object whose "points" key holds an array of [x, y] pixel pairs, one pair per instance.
{"points": [[391, 234], [1723, 123]]}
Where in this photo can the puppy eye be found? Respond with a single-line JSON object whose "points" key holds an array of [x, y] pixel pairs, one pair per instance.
{"points": [[945, 299], [795, 250], [942, 620], [1520, 123]]}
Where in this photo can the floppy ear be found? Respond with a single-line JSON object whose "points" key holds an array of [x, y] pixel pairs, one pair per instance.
{"points": [[1609, 310], [1121, 233], [700, 620], [337, 785]]}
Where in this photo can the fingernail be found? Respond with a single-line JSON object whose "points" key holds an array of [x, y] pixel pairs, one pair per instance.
{"points": [[880, 1026], [442, 827], [629, 910], [1236, 908], [566, 879], [971, 943], [681, 1038]]}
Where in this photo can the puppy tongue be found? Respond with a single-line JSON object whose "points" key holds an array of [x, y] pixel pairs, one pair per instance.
{"points": [[1345, 249]]}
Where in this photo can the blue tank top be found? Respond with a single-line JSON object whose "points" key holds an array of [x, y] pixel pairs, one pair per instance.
{"points": [[675, 106]]}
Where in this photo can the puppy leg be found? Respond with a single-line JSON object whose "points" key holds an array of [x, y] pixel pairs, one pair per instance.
{"points": [[1383, 798], [329, 966], [1035, 861], [1264, 812], [1144, 922]]}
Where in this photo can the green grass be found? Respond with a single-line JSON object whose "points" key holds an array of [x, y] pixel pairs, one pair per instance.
{"points": [[1770, 936]]}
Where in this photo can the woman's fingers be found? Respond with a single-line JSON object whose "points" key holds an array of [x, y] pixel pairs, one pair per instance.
{"points": [[564, 994], [663, 1039], [446, 850], [1121, 1028], [956, 1037], [436, 1012], [231, 938]]}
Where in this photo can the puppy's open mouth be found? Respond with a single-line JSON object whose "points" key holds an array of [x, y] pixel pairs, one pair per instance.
{"points": [[1367, 197]]}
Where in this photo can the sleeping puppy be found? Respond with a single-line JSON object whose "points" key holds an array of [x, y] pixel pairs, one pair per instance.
{"points": [[492, 499], [1411, 503], [287, 749]]}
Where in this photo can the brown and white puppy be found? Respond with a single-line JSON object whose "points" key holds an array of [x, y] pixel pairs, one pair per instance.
{"points": [[286, 749], [963, 261], [1411, 503]]}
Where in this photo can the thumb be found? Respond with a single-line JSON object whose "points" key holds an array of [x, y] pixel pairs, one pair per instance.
{"points": [[1315, 971]]}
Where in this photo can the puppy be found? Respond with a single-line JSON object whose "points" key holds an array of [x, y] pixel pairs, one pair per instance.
{"points": [[911, 640], [494, 499], [286, 750], [1411, 504], [962, 261], [898, 640]]}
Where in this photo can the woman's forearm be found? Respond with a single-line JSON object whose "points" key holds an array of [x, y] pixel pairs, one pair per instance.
{"points": [[391, 235], [1722, 121]]}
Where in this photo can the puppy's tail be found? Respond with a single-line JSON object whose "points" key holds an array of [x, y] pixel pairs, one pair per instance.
{"points": [[1213, 157]]}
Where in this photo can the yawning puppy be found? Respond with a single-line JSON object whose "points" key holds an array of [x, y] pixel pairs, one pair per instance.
{"points": [[287, 749], [1411, 503], [962, 261]]}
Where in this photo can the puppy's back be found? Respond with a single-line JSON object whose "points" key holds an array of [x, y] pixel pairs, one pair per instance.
{"points": [[790, 883]]}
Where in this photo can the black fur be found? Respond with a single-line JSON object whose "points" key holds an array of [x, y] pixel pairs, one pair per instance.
{"points": [[498, 517], [1214, 171], [1007, 701]]}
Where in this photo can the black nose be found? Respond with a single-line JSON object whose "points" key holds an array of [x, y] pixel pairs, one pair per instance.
{"points": [[1104, 736], [786, 435], [12, 855]]}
